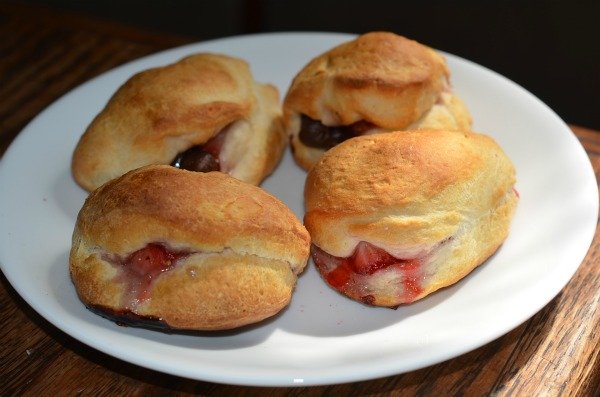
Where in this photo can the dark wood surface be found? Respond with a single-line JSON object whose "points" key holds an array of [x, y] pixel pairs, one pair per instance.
{"points": [[45, 53]]}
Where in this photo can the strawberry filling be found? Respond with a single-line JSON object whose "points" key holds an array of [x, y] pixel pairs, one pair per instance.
{"points": [[142, 267], [351, 275]]}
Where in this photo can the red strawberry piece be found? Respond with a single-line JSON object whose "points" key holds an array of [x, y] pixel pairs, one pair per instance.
{"points": [[367, 259], [150, 261]]}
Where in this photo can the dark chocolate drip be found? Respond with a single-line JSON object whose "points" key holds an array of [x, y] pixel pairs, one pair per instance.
{"points": [[126, 318]]}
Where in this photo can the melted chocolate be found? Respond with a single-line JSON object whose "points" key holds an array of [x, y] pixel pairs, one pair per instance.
{"points": [[126, 318], [196, 159], [204, 157], [315, 134]]}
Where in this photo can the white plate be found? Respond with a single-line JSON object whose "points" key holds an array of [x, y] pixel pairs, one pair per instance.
{"points": [[321, 338]]}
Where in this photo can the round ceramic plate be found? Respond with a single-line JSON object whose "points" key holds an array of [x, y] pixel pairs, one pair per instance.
{"points": [[322, 337]]}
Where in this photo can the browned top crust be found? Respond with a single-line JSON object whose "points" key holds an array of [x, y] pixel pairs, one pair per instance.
{"points": [[243, 248], [206, 212], [379, 77], [406, 189], [162, 111]]}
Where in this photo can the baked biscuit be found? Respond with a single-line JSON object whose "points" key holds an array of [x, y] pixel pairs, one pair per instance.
{"points": [[379, 82], [203, 113], [168, 248], [394, 217]]}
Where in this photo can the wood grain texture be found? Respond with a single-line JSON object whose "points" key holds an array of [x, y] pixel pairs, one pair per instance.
{"points": [[44, 54]]}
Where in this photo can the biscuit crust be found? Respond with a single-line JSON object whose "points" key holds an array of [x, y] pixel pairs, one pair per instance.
{"points": [[385, 79], [244, 248], [163, 111], [443, 197]]}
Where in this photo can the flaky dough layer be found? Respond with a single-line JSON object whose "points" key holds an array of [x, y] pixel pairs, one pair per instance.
{"points": [[163, 111], [244, 248]]}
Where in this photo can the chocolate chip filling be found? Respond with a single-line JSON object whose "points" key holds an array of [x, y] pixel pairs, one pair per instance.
{"points": [[315, 134], [196, 159]]}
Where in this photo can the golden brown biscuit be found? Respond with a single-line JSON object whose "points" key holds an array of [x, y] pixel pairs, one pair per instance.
{"points": [[206, 106], [379, 82], [186, 250], [394, 217]]}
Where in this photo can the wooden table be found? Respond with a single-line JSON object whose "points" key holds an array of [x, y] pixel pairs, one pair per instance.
{"points": [[44, 54]]}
